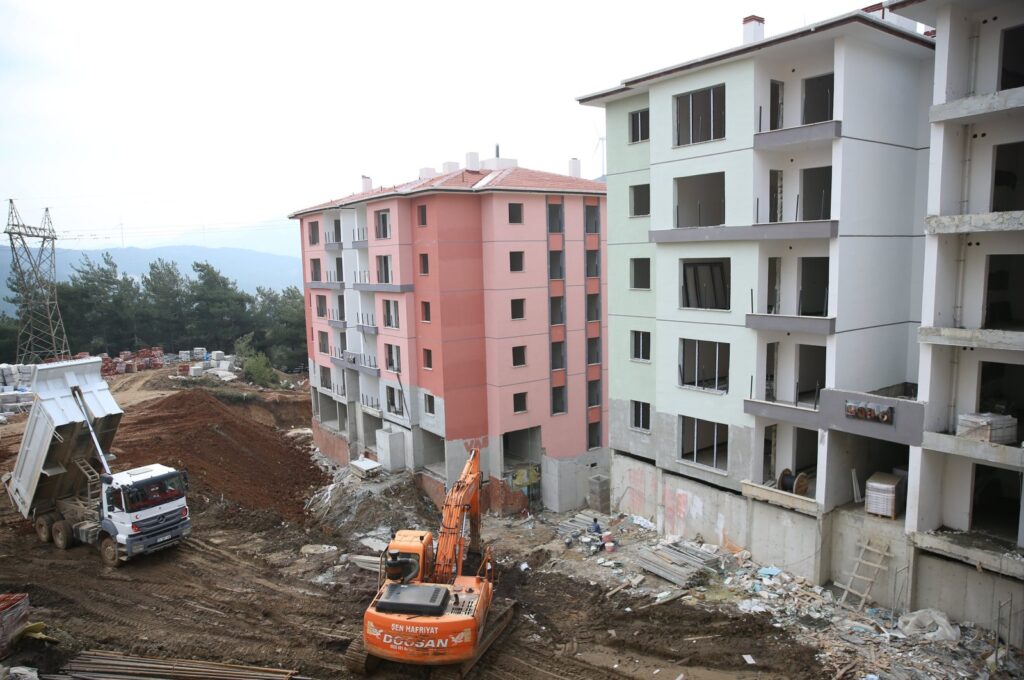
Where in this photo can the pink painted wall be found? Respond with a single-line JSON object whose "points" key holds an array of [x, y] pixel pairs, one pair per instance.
{"points": [[315, 324]]}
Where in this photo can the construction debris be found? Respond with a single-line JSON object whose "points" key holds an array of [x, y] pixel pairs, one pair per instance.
{"points": [[678, 563], [13, 618], [102, 665]]}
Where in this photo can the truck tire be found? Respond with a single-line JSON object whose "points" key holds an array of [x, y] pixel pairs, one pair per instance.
{"points": [[63, 534], [108, 552], [44, 527]]}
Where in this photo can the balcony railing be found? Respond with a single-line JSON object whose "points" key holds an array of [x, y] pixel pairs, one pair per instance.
{"points": [[368, 360], [369, 401], [804, 307], [335, 277], [333, 314], [359, 234], [332, 236], [808, 398], [366, 319]]}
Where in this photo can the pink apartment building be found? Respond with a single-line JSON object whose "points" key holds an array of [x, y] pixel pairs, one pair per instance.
{"points": [[463, 309]]}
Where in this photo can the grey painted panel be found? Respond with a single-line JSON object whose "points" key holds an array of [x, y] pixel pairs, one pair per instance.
{"points": [[787, 413], [335, 323], [360, 244], [906, 428], [814, 325], [384, 287], [794, 136], [334, 245], [371, 330], [768, 231], [326, 285]]}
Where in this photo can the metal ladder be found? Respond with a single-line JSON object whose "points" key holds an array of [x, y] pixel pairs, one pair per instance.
{"points": [[93, 478], [870, 575]]}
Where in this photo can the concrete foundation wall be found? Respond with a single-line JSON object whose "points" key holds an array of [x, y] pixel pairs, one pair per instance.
{"points": [[564, 482], [850, 528], [966, 594], [331, 445]]}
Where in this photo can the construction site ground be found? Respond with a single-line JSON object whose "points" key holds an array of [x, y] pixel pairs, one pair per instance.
{"points": [[266, 577]]}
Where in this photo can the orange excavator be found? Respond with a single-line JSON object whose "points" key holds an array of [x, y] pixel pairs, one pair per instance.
{"points": [[426, 612]]}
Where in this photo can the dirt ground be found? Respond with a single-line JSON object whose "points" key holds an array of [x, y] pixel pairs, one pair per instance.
{"points": [[263, 581]]}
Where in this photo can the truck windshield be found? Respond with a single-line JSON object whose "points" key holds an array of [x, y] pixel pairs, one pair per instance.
{"points": [[154, 492]]}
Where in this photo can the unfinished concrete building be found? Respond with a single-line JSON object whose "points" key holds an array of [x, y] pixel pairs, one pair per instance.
{"points": [[964, 511], [463, 309]]}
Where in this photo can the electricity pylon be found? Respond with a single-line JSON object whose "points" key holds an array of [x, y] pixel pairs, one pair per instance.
{"points": [[41, 333]]}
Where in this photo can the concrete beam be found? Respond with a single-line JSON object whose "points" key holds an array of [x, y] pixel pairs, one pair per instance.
{"points": [[1011, 220], [813, 325], [978, 107], [766, 231], [988, 452], [972, 337], [907, 423], [956, 547], [787, 413], [801, 135], [792, 501]]}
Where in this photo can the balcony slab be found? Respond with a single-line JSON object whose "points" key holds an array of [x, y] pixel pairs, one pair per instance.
{"points": [[999, 454], [801, 135], [1010, 220], [978, 107], [788, 413], [765, 231], [812, 325], [972, 337]]}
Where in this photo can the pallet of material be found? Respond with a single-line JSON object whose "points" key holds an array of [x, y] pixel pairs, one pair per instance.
{"points": [[987, 427], [97, 664], [677, 563], [582, 522], [365, 468]]}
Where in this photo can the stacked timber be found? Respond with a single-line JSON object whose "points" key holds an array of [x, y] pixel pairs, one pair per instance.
{"points": [[581, 523], [102, 665], [677, 563]]}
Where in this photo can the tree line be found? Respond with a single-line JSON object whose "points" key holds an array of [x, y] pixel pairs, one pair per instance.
{"points": [[105, 310]]}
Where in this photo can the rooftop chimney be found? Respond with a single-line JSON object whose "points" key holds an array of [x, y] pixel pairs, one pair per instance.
{"points": [[450, 166], [574, 167], [472, 161], [427, 173], [367, 183], [753, 29]]}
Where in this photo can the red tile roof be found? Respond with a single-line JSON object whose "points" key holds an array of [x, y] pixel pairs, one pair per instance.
{"points": [[509, 179]]}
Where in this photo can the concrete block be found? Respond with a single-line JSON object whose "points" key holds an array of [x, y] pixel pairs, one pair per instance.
{"points": [[391, 450]]}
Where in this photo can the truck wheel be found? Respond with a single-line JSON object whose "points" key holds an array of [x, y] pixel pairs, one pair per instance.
{"points": [[44, 525], [108, 551], [63, 534]]}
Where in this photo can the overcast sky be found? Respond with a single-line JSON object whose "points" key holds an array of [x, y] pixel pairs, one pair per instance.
{"points": [[146, 124]]}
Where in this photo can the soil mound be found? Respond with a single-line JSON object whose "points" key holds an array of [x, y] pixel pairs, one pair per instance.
{"points": [[225, 453]]}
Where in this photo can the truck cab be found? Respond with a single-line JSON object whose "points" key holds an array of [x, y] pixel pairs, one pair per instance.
{"points": [[144, 509]]}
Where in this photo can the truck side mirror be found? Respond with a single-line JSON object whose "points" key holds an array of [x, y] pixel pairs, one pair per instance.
{"points": [[184, 480]]}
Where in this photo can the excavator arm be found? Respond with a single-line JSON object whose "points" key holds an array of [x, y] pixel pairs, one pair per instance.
{"points": [[461, 506]]}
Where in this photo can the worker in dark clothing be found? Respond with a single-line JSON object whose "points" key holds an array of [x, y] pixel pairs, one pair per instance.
{"points": [[595, 527]]}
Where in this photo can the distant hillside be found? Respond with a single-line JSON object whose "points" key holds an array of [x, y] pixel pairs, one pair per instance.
{"points": [[249, 268]]}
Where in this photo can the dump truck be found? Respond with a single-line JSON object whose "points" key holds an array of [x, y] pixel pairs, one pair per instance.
{"points": [[62, 480], [426, 611]]}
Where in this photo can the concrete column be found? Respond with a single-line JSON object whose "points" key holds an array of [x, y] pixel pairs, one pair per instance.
{"points": [[957, 492]]}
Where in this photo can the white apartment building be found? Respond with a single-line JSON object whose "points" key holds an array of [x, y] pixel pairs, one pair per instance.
{"points": [[964, 512], [766, 250]]}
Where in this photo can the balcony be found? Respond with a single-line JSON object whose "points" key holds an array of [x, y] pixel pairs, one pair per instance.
{"points": [[370, 403], [382, 281], [880, 414], [366, 323], [335, 318], [799, 413], [364, 363], [978, 108], [331, 280], [812, 325], [973, 548], [785, 499], [982, 338], [1010, 220], [804, 136], [988, 452], [762, 231], [359, 239], [332, 240]]}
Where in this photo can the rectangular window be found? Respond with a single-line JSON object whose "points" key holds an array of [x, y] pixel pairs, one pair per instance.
{"points": [[519, 402], [519, 308], [558, 399], [391, 314], [593, 393], [515, 213], [593, 350], [394, 401], [592, 219], [704, 283], [425, 312], [700, 200], [704, 364], [640, 273], [641, 419], [700, 115], [818, 98], [325, 378], [325, 346], [519, 355], [337, 231], [321, 306], [640, 200], [640, 345], [341, 308], [515, 261], [775, 118], [816, 186], [383, 269], [314, 233], [428, 403], [557, 310], [639, 126], [557, 355], [428, 358], [555, 218], [593, 307], [556, 264], [339, 269], [593, 263], [393, 358], [382, 224], [424, 264], [1011, 62], [594, 435], [421, 215], [314, 270], [704, 442]]}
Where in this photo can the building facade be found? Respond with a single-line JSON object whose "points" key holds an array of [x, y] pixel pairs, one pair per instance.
{"points": [[463, 309], [964, 511]]}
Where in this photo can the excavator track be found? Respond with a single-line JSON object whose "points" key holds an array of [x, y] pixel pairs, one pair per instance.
{"points": [[499, 618], [357, 658]]}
